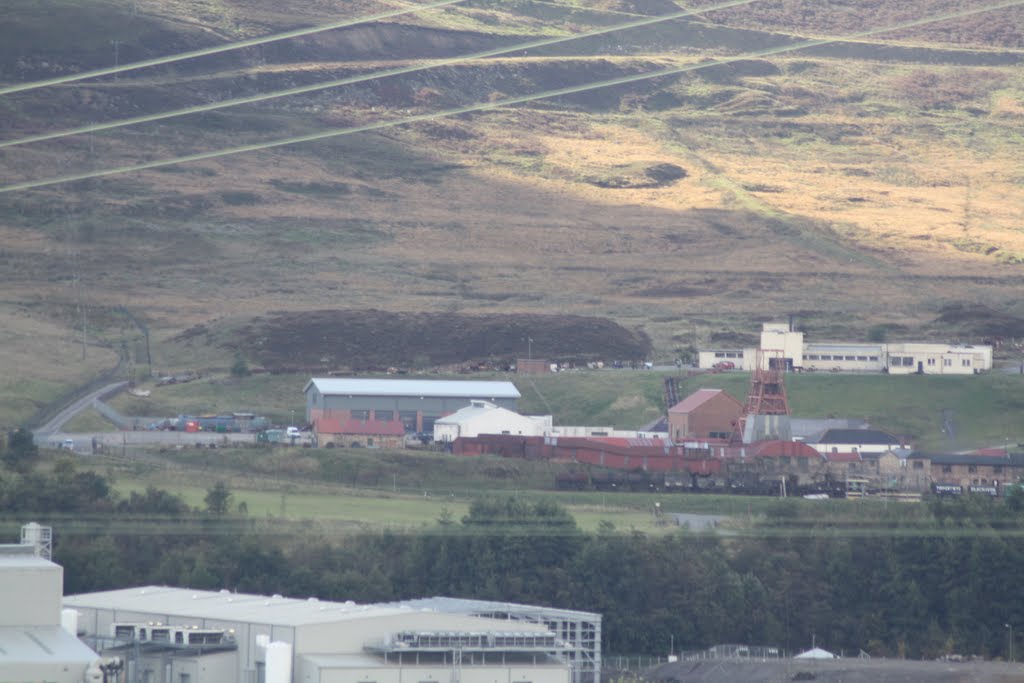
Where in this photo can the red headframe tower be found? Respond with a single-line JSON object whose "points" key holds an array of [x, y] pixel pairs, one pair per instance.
{"points": [[766, 413]]}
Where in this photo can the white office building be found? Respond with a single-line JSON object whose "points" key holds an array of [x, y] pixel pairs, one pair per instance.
{"points": [[787, 348]]}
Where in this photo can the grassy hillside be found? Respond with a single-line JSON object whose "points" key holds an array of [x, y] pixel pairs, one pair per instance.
{"points": [[860, 184]]}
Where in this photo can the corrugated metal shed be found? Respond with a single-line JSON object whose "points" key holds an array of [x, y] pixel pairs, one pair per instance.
{"points": [[412, 387]]}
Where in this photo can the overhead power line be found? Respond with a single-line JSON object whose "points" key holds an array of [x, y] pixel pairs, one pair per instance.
{"points": [[217, 49], [487, 106], [350, 80]]}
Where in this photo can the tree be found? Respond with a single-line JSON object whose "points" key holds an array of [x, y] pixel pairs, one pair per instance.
{"points": [[218, 499], [21, 452], [240, 368]]}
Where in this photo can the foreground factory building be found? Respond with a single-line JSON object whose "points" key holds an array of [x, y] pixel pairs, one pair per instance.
{"points": [[37, 641], [178, 635]]}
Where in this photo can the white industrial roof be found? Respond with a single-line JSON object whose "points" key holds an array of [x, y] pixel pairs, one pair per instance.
{"points": [[354, 386], [25, 559], [41, 644], [470, 606], [228, 606], [262, 609], [463, 415]]}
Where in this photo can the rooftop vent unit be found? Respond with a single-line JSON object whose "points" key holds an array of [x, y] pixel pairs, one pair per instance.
{"points": [[140, 630], [201, 636], [171, 635]]}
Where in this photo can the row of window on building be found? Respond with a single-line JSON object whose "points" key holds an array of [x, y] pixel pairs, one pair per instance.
{"points": [[908, 361], [408, 418], [898, 361]]}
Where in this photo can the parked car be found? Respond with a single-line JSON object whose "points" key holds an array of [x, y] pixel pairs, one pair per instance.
{"points": [[724, 365], [68, 444]]}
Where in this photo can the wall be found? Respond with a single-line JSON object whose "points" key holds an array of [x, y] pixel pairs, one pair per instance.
{"points": [[718, 415], [97, 621], [862, 448], [777, 337], [844, 357], [30, 591], [938, 359], [743, 359], [964, 476], [308, 672], [388, 441]]}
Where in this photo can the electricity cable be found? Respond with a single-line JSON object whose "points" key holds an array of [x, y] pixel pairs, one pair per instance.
{"points": [[488, 106], [362, 78], [217, 49]]}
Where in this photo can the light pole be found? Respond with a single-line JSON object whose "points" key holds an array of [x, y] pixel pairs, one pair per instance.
{"points": [[1009, 639]]}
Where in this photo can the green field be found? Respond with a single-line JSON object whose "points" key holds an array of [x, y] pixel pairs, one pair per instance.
{"points": [[374, 510]]}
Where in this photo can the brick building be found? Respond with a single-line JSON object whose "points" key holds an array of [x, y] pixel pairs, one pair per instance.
{"points": [[704, 414], [968, 471], [331, 432]]}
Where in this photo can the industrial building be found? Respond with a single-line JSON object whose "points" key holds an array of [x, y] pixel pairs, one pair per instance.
{"points": [[483, 417], [704, 414], [179, 635], [578, 632], [37, 639], [416, 404], [894, 358], [329, 432], [863, 441]]}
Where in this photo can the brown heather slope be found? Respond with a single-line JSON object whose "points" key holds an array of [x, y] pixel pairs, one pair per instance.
{"points": [[860, 186], [373, 340]]}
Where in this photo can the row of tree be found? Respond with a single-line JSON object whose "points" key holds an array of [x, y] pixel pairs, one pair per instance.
{"points": [[908, 590]]}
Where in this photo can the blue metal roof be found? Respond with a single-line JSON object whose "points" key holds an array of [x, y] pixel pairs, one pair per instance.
{"points": [[354, 386]]}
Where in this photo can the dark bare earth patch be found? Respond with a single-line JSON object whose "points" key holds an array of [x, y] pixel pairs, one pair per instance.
{"points": [[361, 340]]}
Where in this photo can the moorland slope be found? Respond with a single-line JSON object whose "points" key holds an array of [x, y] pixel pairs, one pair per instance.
{"points": [[856, 184]]}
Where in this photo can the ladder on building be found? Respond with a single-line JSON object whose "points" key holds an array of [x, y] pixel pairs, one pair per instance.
{"points": [[671, 392]]}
